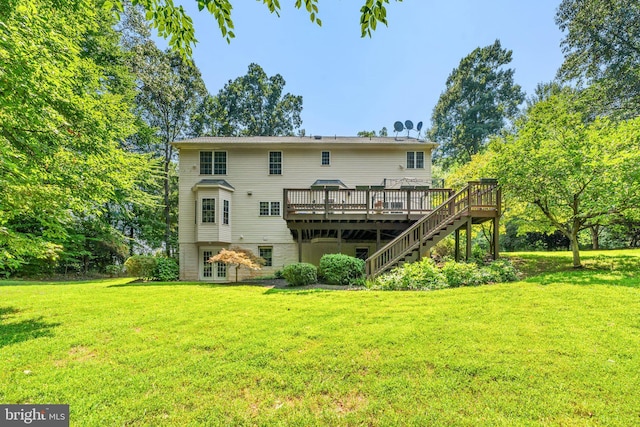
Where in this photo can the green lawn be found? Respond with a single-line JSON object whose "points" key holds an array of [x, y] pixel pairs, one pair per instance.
{"points": [[559, 348]]}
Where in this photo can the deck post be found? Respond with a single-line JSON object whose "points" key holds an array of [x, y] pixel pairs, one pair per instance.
{"points": [[496, 237], [299, 245], [378, 236], [469, 238], [457, 246], [339, 232], [326, 203]]}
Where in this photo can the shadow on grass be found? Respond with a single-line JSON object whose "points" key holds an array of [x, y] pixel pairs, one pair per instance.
{"points": [[24, 330], [138, 284], [297, 291]]}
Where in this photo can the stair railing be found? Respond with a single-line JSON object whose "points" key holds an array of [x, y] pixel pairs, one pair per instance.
{"points": [[473, 194]]}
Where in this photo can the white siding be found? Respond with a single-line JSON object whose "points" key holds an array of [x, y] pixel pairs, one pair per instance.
{"points": [[248, 173]]}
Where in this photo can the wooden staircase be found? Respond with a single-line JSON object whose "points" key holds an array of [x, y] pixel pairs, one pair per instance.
{"points": [[477, 202]]}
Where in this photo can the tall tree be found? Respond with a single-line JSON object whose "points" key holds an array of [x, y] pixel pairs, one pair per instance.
{"points": [[569, 172], [602, 49], [250, 105], [480, 96], [172, 22], [65, 107], [169, 90]]}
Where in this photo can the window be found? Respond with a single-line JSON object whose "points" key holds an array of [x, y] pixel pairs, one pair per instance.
{"points": [[209, 210], [362, 253], [221, 270], [415, 159], [275, 162], [213, 162], [225, 212], [206, 162], [220, 163], [325, 158], [266, 252], [207, 269], [269, 208]]}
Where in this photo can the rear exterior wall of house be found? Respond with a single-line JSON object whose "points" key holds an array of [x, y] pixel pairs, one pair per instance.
{"points": [[231, 193]]}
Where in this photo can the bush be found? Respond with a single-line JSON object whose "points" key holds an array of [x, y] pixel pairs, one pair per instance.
{"points": [[141, 266], [340, 269], [505, 269], [167, 269], [426, 275], [300, 274], [444, 249], [114, 270], [420, 275]]}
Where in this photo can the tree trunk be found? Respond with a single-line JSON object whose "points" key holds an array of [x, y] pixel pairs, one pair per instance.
{"points": [[575, 249], [595, 237]]}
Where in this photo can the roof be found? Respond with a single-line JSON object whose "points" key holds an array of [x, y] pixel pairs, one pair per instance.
{"points": [[315, 141], [328, 183], [213, 183]]}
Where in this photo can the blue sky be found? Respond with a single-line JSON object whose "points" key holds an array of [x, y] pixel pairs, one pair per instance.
{"points": [[350, 83]]}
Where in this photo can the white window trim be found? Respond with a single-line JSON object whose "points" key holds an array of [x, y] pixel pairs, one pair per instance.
{"points": [[281, 163], [322, 158], [270, 204], [215, 210], [213, 163], [415, 159]]}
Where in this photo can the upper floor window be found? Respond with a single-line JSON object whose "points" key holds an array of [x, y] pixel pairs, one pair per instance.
{"points": [[213, 163], [325, 158], [275, 162], [415, 159], [225, 212], [219, 162], [269, 208], [209, 210], [206, 162]]}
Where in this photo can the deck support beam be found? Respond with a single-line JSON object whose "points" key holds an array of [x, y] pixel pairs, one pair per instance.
{"points": [[468, 233], [299, 245], [496, 237], [457, 246]]}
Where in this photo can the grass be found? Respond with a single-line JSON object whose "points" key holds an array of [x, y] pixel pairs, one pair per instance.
{"points": [[561, 347]]}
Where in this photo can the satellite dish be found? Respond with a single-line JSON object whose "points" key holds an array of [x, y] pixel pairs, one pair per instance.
{"points": [[419, 127], [398, 126], [408, 124]]}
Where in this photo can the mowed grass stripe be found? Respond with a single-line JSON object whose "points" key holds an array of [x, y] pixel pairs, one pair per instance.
{"points": [[191, 354]]}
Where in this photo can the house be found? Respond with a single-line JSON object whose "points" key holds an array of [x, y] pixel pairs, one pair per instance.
{"points": [[291, 199]]}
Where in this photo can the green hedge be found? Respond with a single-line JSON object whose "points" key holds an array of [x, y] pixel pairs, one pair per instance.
{"points": [[426, 275], [340, 269], [148, 267], [300, 274]]}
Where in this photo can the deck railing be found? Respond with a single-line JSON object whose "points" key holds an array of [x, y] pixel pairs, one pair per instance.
{"points": [[367, 201], [474, 196]]}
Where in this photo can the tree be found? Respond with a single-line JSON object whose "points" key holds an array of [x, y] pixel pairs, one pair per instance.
{"points": [[237, 258], [172, 22], [480, 96], [250, 105], [367, 134], [602, 49], [170, 89], [570, 173], [65, 107]]}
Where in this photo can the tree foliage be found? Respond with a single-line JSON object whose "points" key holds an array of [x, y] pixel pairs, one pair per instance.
{"points": [[602, 49], [569, 172], [172, 22], [237, 258], [169, 90], [65, 107], [250, 105], [480, 96]]}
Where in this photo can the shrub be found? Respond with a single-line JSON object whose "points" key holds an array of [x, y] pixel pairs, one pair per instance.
{"points": [[444, 248], [425, 275], [141, 266], [420, 275], [340, 269], [300, 274], [505, 269], [114, 270], [166, 270]]}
